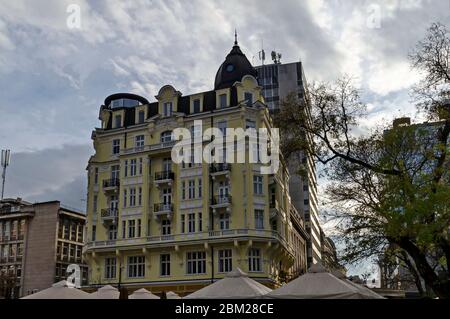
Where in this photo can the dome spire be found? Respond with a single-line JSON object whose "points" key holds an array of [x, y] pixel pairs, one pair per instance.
{"points": [[235, 37]]}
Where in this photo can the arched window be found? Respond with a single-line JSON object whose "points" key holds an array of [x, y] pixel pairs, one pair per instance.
{"points": [[166, 136]]}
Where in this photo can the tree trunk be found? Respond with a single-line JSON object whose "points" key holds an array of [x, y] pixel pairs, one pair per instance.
{"points": [[440, 288]]}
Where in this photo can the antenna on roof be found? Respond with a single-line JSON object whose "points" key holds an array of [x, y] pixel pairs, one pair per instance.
{"points": [[6, 158], [235, 37], [262, 54]]}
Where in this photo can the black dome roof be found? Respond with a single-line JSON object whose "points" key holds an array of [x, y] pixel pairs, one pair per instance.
{"points": [[235, 66]]}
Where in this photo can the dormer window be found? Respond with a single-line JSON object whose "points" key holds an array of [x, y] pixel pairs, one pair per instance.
{"points": [[196, 105], [117, 121], [248, 98], [141, 117], [166, 136], [167, 109], [223, 101]]}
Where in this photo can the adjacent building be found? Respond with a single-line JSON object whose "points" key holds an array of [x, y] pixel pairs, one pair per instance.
{"points": [[164, 226], [328, 252], [277, 82], [37, 243]]}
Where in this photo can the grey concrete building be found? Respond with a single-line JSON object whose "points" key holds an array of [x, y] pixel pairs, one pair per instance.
{"points": [[38, 241], [278, 81]]}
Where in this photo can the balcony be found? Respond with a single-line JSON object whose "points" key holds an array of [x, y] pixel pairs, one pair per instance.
{"points": [[274, 209], [109, 215], [154, 147], [111, 185], [209, 236], [164, 177], [221, 202], [163, 210], [220, 169]]}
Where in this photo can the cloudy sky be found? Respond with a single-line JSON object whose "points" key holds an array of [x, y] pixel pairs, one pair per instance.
{"points": [[54, 76]]}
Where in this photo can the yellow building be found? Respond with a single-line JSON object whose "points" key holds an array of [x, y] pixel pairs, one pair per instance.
{"points": [[165, 226]]}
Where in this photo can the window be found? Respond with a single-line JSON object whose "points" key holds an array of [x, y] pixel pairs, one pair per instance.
{"points": [[132, 197], [225, 260], [183, 190], [196, 105], [125, 173], [96, 175], [250, 124], [165, 264], [131, 228], [306, 202], [200, 222], [254, 259], [248, 97], [140, 196], [222, 125], [140, 165], [191, 189], [258, 185], [124, 229], [166, 136], [125, 198], [167, 109], [183, 223], [165, 227], [94, 231], [223, 100], [136, 266], [116, 146], [117, 121], [259, 219], [191, 223], [133, 167], [112, 232], [199, 188], [196, 262], [110, 268], [115, 172], [139, 224], [141, 117], [139, 141], [224, 221]]}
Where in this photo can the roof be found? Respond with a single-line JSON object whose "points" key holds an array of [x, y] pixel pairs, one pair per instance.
{"points": [[130, 96], [235, 66]]}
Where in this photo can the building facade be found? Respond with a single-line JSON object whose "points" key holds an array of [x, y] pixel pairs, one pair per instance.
{"points": [[277, 82], [165, 226], [37, 243]]}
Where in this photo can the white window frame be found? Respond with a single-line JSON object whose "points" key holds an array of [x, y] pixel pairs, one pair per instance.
{"points": [[136, 267], [196, 262], [225, 260]]}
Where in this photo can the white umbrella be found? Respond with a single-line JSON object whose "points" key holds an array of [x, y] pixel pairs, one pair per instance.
{"points": [[106, 292], [318, 284], [364, 290], [172, 295], [142, 294], [60, 290], [236, 284]]}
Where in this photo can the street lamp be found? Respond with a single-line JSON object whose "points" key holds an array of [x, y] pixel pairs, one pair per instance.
{"points": [[6, 157]]}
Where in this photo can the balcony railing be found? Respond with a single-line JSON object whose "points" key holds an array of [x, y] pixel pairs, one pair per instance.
{"points": [[111, 183], [221, 200], [164, 175], [159, 146], [263, 234], [162, 207], [220, 168], [109, 213]]}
